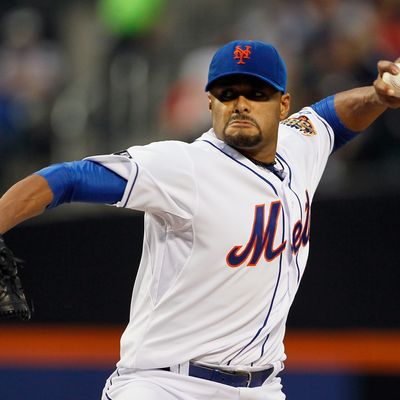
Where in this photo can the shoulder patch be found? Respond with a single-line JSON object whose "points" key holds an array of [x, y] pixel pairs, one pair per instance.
{"points": [[123, 153], [302, 124]]}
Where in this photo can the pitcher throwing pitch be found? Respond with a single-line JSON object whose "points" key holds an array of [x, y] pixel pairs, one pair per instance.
{"points": [[227, 227]]}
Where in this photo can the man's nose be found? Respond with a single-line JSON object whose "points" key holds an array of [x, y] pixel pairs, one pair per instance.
{"points": [[241, 105]]}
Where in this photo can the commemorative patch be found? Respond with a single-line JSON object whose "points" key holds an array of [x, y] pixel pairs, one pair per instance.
{"points": [[302, 124]]}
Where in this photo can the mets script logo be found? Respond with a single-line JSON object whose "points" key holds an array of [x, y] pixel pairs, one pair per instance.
{"points": [[241, 54], [263, 237]]}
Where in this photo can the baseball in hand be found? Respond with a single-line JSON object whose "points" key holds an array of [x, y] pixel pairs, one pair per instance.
{"points": [[393, 81]]}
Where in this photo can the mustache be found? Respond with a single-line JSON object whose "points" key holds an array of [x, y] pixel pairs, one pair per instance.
{"points": [[242, 117]]}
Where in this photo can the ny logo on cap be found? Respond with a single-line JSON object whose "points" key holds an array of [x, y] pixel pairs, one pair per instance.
{"points": [[241, 54]]}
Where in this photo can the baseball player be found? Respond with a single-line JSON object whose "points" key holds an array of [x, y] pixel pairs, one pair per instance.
{"points": [[227, 228]]}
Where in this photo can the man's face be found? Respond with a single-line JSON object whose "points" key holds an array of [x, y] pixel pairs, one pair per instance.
{"points": [[246, 113]]}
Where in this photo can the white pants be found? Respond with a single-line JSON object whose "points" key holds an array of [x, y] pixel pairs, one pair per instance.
{"points": [[128, 384]]}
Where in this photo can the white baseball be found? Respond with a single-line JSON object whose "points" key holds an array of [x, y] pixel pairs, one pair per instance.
{"points": [[393, 81]]}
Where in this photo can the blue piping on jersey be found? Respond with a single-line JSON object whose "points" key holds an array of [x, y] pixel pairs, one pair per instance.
{"points": [[301, 210], [263, 346], [290, 182], [326, 109], [243, 165], [84, 181], [131, 188], [273, 297]]}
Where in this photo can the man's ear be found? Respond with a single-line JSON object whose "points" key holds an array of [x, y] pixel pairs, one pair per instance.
{"points": [[285, 106], [209, 102]]}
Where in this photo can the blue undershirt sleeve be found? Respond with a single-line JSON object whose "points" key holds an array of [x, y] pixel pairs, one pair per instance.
{"points": [[83, 181], [326, 109]]}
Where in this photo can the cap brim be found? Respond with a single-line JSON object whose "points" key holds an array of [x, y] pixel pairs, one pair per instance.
{"points": [[268, 81]]}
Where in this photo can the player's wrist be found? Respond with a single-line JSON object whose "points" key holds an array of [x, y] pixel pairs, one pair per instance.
{"points": [[374, 99]]}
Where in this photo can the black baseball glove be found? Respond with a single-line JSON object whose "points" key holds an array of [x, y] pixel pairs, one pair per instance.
{"points": [[13, 302]]}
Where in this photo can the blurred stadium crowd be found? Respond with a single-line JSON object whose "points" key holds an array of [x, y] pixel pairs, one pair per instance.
{"points": [[80, 78]]}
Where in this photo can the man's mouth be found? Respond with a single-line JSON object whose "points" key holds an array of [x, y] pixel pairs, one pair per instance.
{"points": [[242, 122]]}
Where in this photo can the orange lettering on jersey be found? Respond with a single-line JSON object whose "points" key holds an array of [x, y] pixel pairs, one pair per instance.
{"points": [[241, 54], [262, 239]]}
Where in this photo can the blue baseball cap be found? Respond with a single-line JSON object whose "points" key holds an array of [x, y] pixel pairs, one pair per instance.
{"points": [[249, 57]]}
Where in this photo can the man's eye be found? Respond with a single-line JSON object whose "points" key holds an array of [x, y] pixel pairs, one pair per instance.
{"points": [[257, 95], [227, 94]]}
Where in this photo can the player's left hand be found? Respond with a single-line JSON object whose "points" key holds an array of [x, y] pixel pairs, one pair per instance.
{"points": [[13, 302], [385, 93]]}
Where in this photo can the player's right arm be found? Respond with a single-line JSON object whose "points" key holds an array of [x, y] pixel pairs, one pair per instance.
{"points": [[353, 111], [78, 181]]}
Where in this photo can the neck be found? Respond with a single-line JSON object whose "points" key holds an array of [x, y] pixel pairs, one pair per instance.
{"points": [[262, 163], [264, 157]]}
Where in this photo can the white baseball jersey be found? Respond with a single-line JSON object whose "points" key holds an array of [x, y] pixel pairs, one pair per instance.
{"points": [[225, 246]]}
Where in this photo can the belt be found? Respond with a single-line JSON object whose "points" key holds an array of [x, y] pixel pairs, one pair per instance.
{"points": [[231, 378]]}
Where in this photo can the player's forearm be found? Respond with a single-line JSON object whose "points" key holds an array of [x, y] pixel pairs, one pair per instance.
{"points": [[358, 108], [26, 199]]}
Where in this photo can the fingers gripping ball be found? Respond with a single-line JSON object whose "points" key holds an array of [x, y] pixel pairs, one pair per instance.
{"points": [[13, 302], [393, 81]]}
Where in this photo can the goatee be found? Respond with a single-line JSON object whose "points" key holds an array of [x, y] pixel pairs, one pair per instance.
{"points": [[239, 137]]}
